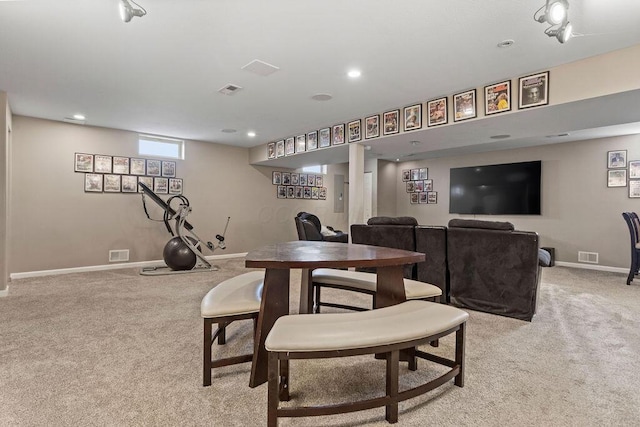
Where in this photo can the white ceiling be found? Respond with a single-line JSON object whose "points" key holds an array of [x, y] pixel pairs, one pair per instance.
{"points": [[159, 74]]}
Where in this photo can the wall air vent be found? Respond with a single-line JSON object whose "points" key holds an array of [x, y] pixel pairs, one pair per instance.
{"points": [[590, 257], [229, 89], [119, 255]]}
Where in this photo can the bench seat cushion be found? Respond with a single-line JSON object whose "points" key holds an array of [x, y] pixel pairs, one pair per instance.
{"points": [[367, 282], [238, 295], [410, 320]]}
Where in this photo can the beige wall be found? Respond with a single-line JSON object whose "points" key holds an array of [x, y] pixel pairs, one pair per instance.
{"points": [[579, 211], [57, 225], [5, 150]]}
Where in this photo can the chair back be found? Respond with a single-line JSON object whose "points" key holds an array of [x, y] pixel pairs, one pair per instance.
{"points": [[631, 218], [308, 226]]}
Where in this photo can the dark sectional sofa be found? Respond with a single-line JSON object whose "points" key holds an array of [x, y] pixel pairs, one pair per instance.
{"points": [[482, 265]]}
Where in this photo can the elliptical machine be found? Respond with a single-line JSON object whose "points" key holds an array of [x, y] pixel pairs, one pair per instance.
{"points": [[182, 253]]}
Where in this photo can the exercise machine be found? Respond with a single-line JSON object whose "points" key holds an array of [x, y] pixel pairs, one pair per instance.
{"points": [[183, 252]]}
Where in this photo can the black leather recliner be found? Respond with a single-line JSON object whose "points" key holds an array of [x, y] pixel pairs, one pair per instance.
{"points": [[309, 228]]}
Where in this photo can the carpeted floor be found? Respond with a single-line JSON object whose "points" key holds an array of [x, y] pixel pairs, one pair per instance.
{"points": [[115, 348]]}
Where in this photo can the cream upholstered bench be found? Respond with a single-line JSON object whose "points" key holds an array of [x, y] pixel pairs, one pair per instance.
{"points": [[386, 330], [234, 299], [359, 281]]}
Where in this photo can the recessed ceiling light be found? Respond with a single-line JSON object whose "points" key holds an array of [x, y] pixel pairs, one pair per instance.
{"points": [[79, 116], [321, 97], [500, 136], [354, 74], [415, 143], [558, 135], [251, 134], [229, 131], [506, 43]]}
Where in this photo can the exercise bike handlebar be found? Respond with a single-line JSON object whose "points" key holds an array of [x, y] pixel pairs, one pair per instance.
{"points": [[162, 204]]}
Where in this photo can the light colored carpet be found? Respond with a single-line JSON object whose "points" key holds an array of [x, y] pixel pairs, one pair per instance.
{"points": [[115, 348]]}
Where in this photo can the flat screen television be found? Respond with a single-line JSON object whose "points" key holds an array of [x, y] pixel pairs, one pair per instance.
{"points": [[507, 189]]}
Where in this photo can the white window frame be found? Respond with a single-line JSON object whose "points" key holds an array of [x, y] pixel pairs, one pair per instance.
{"points": [[166, 142], [321, 169]]}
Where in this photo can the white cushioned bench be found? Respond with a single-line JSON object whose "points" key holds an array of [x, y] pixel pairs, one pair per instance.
{"points": [[359, 281], [385, 330], [233, 299]]}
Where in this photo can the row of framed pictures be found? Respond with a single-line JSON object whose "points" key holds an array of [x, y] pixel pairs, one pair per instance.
{"points": [[533, 92], [99, 163], [617, 172], [111, 183], [293, 178], [426, 197], [301, 192]]}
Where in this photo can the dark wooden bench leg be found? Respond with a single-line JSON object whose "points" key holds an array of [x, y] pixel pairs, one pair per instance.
{"points": [[283, 392], [222, 335], [272, 391], [391, 410], [206, 365], [460, 335], [316, 299], [412, 359]]}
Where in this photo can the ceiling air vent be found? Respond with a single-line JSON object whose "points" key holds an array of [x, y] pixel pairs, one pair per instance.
{"points": [[260, 68], [229, 89]]}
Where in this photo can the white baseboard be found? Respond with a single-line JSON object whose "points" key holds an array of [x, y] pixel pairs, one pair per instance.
{"points": [[4, 292], [592, 267], [141, 264]]}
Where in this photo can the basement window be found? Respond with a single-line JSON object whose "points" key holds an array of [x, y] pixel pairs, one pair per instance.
{"points": [[315, 169], [156, 146]]}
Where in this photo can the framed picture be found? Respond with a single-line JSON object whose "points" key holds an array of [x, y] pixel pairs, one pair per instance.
{"points": [[120, 165], [129, 184], [280, 148], [411, 186], [464, 105], [437, 110], [413, 117], [354, 128], [617, 178], [432, 197], [83, 163], [146, 180], [289, 146], [634, 189], [299, 193], [414, 198], [324, 137], [312, 140], [102, 164], [301, 143], [497, 98], [282, 191], [138, 167], [406, 175], [322, 193], [295, 178], [422, 198], [424, 173], [319, 180], [153, 167], [338, 134], [311, 180], [419, 186], [372, 127], [390, 121], [533, 90], [175, 185], [303, 179], [617, 159], [161, 185], [276, 178], [112, 183], [415, 174], [93, 183], [306, 192], [291, 192], [271, 150], [286, 178], [428, 185], [168, 169], [634, 169], [315, 193]]}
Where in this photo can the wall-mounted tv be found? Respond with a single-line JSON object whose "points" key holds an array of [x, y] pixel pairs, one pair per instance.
{"points": [[507, 189]]}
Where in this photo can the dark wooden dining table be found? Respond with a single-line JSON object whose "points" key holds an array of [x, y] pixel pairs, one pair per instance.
{"points": [[279, 258]]}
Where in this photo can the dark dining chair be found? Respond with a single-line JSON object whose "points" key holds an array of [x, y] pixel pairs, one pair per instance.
{"points": [[631, 218]]}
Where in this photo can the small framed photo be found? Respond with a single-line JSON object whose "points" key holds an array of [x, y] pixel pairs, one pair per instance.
{"points": [[129, 184], [276, 178], [161, 185], [102, 164], [146, 180], [411, 186], [391, 120], [497, 98], [322, 193], [312, 140], [319, 180], [338, 134], [291, 192], [168, 169], [419, 186], [634, 189], [286, 178], [406, 175], [634, 169], [138, 167], [112, 183], [432, 197], [372, 127], [303, 179], [299, 193], [533, 90], [295, 178], [121, 165], [280, 148], [424, 173], [355, 130], [311, 180], [428, 185], [415, 174], [413, 117], [422, 198], [617, 178], [414, 198], [437, 110], [93, 183], [282, 191], [175, 185], [271, 150], [324, 137], [306, 192], [617, 159], [153, 167], [83, 163], [464, 105], [301, 143], [289, 147], [315, 194]]}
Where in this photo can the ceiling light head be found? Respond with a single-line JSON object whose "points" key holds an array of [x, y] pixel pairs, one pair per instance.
{"points": [[563, 33], [127, 12], [354, 74], [555, 12]]}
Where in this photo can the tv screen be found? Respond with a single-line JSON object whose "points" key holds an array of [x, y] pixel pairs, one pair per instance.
{"points": [[508, 189]]}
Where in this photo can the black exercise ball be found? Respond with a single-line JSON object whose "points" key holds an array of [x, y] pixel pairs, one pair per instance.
{"points": [[177, 254]]}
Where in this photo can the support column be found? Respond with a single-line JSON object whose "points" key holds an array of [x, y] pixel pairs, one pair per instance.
{"points": [[356, 184]]}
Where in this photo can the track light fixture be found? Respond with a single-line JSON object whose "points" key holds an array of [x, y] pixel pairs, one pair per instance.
{"points": [[127, 12], [555, 12]]}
